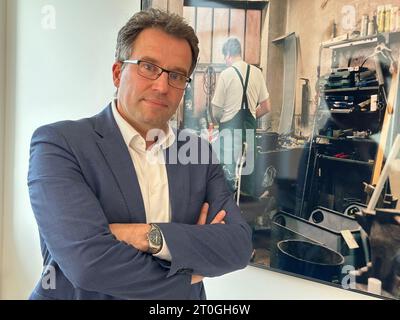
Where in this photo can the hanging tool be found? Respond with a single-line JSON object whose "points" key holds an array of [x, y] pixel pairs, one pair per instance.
{"points": [[381, 50], [305, 101], [324, 3], [209, 81], [239, 169]]}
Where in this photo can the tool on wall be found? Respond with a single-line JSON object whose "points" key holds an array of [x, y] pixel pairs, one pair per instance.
{"points": [[382, 51], [189, 118], [209, 81], [324, 3], [238, 171], [290, 47], [305, 101]]}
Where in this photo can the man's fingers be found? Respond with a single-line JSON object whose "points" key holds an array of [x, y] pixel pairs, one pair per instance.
{"points": [[203, 214], [113, 227], [196, 278], [219, 217]]}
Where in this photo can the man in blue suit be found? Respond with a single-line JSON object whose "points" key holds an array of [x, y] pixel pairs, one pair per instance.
{"points": [[114, 223]]}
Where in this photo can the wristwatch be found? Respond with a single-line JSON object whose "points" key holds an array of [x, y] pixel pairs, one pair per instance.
{"points": [[154, 238]]}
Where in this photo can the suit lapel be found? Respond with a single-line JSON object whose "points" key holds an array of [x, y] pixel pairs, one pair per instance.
{"points": [[178, 183], [117, 156]]}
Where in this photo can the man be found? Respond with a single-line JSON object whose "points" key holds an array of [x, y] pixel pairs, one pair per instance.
{"points": [[240, 97], [114, 225]]}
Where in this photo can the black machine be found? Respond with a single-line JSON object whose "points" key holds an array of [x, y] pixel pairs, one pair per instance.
{"points": [[341, 84], [349, 77]]}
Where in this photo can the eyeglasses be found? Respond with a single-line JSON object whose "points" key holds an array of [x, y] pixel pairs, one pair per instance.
{"points": [[151, 71]]}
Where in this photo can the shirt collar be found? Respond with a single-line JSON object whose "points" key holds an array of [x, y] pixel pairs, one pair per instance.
{"points": [[133, 139], [238, 63]]}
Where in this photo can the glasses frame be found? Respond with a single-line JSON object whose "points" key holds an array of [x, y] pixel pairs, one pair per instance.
{"points": [[137, 62]]}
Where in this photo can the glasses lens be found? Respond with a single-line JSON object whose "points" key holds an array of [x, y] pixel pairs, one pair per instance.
{"points": [[177, 80], [149, 70]]}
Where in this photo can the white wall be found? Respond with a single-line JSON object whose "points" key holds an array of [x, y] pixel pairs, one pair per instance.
{"points": [[53, 74], [66, 74], [2, 108]]}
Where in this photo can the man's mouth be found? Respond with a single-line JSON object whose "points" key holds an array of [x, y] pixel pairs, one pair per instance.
{"points": [[156, 103]]}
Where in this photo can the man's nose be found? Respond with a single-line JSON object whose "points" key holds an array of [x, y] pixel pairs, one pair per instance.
{"points": [[161, 83]]}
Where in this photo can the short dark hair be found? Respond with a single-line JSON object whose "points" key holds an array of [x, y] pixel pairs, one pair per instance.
{"points": [[170, 23], [232, 47]]}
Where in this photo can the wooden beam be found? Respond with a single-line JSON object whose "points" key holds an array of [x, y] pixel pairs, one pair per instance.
{"points": [[175, 6], [237, 25], [384, 136], [160, 4], [221, 26], [203, 30], [253, 37], [199, 95], [189, 13]]}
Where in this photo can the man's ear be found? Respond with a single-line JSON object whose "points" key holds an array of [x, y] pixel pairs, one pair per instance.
{"points": [[116, 71]]}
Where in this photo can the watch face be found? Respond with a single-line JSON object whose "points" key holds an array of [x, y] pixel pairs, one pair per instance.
{"points": [[155, 237]]}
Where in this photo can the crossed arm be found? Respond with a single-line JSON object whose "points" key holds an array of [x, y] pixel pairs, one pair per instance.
{"points": [[75, 229], [135, 234]]}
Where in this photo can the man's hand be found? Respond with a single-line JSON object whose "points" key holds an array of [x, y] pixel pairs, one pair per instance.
{"points": [[219, 218], [134, 234], [196, 279]]}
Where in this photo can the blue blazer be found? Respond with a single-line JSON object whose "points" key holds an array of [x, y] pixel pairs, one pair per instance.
{"points": [[81, 179]]}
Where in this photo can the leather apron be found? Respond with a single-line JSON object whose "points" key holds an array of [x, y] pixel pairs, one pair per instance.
{"points": [[243, 120]]}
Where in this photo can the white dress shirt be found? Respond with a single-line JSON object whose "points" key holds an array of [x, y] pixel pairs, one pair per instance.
{"points": [[151, 174]]}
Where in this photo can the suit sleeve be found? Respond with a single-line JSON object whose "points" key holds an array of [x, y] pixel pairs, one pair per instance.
{"points": [[211, 250], [76, 232]]}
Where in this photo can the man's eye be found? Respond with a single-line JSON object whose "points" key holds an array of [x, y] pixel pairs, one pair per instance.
{"points": [[149, 67], [176, 76]]}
